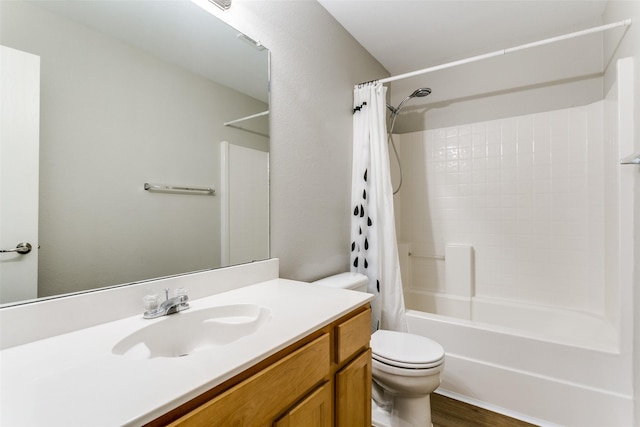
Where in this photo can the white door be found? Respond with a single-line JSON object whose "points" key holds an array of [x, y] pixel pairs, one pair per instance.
{"points": [[19, 159], [245, 204]]}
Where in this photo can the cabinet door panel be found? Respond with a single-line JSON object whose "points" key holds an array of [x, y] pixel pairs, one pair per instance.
{"points": [[313, 411], [259, 399], [353, 393]]}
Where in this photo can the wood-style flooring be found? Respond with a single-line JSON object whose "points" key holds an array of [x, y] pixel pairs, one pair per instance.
{"points": [[447, 412]]}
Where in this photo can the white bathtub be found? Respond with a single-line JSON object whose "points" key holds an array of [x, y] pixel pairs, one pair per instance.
{"points": [[525, 376], [569, 327]]}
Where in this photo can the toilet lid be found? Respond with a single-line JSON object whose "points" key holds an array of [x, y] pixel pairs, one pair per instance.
{"points": [[406, 350]]}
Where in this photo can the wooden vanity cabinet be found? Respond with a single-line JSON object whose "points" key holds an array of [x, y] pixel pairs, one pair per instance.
{"points": [[323, 380]]}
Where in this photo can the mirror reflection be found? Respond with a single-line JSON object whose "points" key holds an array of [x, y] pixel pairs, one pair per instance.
{"points": [[128, 93]]}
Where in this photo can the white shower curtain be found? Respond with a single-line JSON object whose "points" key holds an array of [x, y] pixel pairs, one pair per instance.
{"points": [[374, 248]]}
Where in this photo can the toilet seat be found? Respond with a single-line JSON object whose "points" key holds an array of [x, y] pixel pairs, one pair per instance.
{"points": [[407, 351]]}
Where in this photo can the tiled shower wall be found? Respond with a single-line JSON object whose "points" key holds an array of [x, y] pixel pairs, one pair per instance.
{"points": [[527, 192]]}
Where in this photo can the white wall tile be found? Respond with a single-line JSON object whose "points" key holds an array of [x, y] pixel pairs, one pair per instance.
{"points": [[528, 193]]}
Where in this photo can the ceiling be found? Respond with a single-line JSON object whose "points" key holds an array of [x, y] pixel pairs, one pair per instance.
{"points": [[408, 35], [179, 32]]}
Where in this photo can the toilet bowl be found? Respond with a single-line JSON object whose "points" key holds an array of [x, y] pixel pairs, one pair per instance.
{"points": [[405, 368]]}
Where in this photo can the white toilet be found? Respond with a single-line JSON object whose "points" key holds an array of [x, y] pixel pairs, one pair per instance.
{"points": [[405, 368]]}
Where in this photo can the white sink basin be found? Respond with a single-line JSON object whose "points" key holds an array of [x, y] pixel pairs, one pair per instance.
{"points": [[189, 331]]}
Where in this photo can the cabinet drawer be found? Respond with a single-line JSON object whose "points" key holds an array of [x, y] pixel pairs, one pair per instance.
{"points": [[353, 335], [260, 398]]}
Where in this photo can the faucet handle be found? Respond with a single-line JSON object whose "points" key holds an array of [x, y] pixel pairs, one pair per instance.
{"points": [[182, 294], [151, 302]]}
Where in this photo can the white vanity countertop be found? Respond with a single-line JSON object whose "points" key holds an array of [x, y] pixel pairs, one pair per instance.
{"points": [[75, 380]]}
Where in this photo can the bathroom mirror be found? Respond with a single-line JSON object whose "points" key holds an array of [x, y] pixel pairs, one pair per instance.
{"points": [[131, 93]]}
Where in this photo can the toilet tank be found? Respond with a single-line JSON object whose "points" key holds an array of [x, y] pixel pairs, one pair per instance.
{"points": [[352, 281]]}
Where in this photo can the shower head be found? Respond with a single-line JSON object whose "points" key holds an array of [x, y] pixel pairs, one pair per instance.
{"points": [[419, 93]]}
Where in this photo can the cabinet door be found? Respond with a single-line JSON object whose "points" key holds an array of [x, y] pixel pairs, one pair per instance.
{"points": [[313, 411], [353, 393], [257, 401]]}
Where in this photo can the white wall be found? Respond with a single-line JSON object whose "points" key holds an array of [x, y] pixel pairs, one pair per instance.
{"points": [[314, 65], [616, 47], [99, 145]]}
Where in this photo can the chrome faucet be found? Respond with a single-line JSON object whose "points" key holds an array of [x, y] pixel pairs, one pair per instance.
{"points": [[169, 306]]}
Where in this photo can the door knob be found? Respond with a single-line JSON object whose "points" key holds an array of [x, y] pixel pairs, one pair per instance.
{"points": [[22, 249]]}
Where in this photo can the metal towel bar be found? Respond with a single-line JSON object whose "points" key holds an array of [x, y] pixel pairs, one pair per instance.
{"points": [[179, 189]]}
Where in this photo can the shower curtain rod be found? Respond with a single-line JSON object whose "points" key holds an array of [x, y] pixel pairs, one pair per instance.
{"points": [[500, 52]]}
